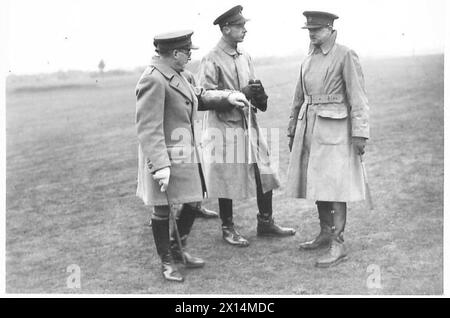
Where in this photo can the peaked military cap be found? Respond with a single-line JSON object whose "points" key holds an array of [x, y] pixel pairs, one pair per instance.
{"points": [[318, 19], [174, 40], [232, 16]]}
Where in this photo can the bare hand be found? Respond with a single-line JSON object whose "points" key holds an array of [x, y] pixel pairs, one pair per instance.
{"points": [[359, 143], [162, 176]]}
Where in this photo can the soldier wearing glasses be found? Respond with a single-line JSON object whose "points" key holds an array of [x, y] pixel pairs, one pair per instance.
{"points": [[166, 106]]}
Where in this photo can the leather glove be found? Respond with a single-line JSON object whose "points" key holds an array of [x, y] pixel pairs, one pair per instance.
{"points": [[238, 99], [254, 88], [260, 101], [234, 99], [247, 91], [259, 96], [359, 143], [162, 176]]}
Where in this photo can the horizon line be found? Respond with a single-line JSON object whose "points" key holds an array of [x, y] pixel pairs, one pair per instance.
{"points": [[255, 60]]}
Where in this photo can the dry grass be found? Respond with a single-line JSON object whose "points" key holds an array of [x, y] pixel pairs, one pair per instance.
{"points": [[71, 176]]}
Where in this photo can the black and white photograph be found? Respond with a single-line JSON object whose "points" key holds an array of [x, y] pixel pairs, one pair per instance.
{"points": [[223, 148]]}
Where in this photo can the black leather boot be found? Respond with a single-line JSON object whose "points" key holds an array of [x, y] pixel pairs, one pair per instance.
{"points": [[267, 227], [160, 230], [325, 236], [266, 224], [185, 221], [229, 232], [337, 251], [191, 261], [202, 212], [233, 237]]}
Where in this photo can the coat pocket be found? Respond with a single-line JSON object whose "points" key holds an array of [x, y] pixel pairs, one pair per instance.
{"points": [[332, 127]]}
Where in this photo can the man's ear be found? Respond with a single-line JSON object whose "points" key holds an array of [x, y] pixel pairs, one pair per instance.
{"points": [[226, 30]]}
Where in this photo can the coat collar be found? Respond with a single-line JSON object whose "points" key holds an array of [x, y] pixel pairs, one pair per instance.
{"points": [[227, 48], [325, 47], [176, 80], [164, 69]]}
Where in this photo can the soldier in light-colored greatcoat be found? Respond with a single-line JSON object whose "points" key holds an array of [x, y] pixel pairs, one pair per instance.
{"points": [[169, 160], [235, 173], [328, 129]]}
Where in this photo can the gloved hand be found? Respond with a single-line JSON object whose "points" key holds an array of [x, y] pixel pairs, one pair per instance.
{"points": [[256, 87], [260, 101], [162, 176], [238, 99], [248, 92], [259, 96], [359, 143], [253, 89]]}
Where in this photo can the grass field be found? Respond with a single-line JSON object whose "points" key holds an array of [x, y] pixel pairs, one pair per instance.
{"points": [[71, 178]]}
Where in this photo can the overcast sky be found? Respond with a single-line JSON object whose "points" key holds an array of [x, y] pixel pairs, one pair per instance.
{"points": [[51, 35]]}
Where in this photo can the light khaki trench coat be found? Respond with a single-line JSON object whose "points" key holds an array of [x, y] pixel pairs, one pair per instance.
{"points": [[229, 168], [330, 106], [165, 121]]}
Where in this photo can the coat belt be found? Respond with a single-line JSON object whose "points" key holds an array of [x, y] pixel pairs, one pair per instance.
{"points": [[324, 99]]}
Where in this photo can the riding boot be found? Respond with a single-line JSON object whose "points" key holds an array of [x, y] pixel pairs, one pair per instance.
{"points": [[337, 251], [202, 212], [160, 228], [266, 225], [185, 221], [326, 222], [229, 232]]}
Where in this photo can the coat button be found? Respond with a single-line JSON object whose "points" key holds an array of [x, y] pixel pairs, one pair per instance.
{"points": [[187, 102]]}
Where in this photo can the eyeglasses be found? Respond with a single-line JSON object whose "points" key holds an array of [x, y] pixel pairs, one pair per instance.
{"points": [[186, 51]]}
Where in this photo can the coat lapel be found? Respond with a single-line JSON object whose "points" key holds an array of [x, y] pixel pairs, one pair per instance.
{"points": [[174, 78], [177, 83]]}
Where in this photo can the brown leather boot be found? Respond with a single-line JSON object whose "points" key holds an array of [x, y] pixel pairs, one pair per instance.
{"points": [[267, 227], [233, 237], [321, 240], [325, 235], [160, 230], [337, 251], [336, 254]]}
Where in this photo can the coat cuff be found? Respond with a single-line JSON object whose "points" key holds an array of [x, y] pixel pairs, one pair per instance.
{"points": [[155, 167], [360, 133]]}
